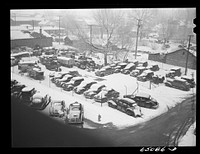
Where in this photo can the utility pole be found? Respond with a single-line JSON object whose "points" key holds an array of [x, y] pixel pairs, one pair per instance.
{"points": [[33, 24], [59, 29], [90, 34], [187, 54], [138, 27]]}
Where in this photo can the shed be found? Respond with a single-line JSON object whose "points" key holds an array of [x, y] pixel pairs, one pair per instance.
{"points": [[178, 58]]}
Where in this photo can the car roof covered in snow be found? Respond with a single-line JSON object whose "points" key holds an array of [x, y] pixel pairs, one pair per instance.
{"points": [[128, 99], [148, 71], [140, 68], [64, 58], [129, 65], [186, 77], [122, 64], [175, 68], [77, 78], [27, 89], [96, 86], [141, 94], [39, 94]]}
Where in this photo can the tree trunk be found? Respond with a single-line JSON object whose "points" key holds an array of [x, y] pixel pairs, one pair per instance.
{"points": [[105, 59]]}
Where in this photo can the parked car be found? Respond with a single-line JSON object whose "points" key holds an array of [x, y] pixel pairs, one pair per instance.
{"points": [[75, 113], [39, 100], [105, 95], [57, 108], [128, 68], [66, 78], [145, 76], [144, 100], [13, 82], [95, 89], [107, 70], [190, 80], [142, 63], [73, 83], [84, 86], [176, 71], [153, 67], [119, 67], [158, 78], [36, 73], [178, 83], [134, 73], [137, 71], [126, 105], [26, 94], [58, 75], [16, 89]]}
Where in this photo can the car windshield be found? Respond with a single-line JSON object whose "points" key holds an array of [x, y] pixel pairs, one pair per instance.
{"points": [[75, 108]]}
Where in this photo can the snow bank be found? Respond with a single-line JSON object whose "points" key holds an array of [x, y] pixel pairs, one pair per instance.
{"points": [[189, 139]]}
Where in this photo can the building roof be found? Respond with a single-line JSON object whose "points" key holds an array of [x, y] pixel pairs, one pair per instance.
{"points": [[27, 18], [177, 49], [18, 33]]}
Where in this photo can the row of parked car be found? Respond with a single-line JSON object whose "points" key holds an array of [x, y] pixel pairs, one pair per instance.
{"points": [[130, 104], [39, 100], [139, 69]]}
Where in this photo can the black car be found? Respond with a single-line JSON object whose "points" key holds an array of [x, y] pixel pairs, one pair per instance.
{"points": [[105, 95], [153, 67], [58, 75], [26, 94], [158, 78], [107, 70], [142, 63], [94, 89], [84, 86], [189, 80], [143, 100], [16, 89], [65, 79], [73, 83], [145, 76], [39, 100], [128, 68], [176, 71], [178, 83], [119, 67], [126, 105]]}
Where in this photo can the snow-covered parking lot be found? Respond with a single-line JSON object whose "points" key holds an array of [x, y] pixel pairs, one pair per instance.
{"points": [[167, 97]]}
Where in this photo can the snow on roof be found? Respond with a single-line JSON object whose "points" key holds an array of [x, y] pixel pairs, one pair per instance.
{"points": [[129, 65], [28, 88], [77, 78], [64, 58], [19, 35], [140, 94], [128, 99], [27, 18]]}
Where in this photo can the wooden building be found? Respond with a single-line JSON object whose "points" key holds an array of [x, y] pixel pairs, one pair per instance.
{"points": [[176, 57]]}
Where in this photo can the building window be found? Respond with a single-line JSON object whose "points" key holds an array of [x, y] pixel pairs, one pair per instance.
{"points": [[183, 53]]}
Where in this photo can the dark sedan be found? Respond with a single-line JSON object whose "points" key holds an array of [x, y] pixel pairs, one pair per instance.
{"points": [[144, 100]]}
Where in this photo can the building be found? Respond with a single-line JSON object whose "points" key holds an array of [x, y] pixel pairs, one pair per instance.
{"points": [[176, 57], [30, 38]]}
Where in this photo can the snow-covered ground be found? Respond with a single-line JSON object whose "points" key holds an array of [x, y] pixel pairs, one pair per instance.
{"points": [[167, 97], [189, 139]]}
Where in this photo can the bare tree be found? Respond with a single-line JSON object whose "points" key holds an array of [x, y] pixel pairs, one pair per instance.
{"points": [[109, 20]]}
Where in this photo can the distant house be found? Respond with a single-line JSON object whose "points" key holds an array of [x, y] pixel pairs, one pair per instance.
{"points": [[176, 57], [30, 38], [67, 41], [20, 20]]}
